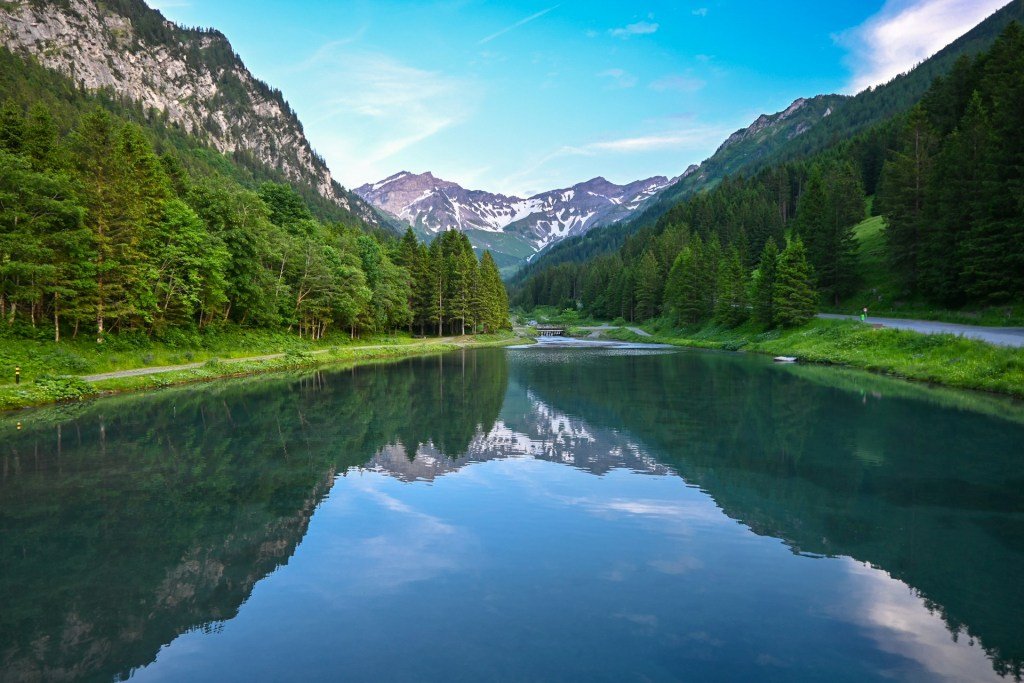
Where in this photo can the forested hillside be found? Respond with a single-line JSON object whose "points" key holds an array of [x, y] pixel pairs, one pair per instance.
{"points": [[948, 178], [189, 79], [112, 221], [781, 138]]}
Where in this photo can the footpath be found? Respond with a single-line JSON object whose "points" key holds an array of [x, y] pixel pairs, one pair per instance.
{"points": [[158, 369]]}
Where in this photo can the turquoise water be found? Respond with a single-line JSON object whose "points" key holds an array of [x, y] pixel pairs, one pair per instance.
{"points": [[578, 514]]}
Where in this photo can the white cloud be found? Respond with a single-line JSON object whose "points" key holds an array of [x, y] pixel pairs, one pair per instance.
{"points": [[905, 33], [681, 83], [619, 78], [660, 141], [904, 624], [375, 106], [516, 25], [700, 12], [695, 139], [640, 28]]}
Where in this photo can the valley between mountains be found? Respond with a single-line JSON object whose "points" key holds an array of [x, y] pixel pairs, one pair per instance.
{"points": [[514, 229]]}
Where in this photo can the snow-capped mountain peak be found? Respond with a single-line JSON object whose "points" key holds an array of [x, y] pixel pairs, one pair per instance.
{"points": [[432, 205]]}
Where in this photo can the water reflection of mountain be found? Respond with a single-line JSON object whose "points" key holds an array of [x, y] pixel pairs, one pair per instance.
{"points": [[145, 517], [934, 496], [527, 427]]}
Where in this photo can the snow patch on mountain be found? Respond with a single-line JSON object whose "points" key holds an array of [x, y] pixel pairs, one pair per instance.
{"points": [[434, 205]]}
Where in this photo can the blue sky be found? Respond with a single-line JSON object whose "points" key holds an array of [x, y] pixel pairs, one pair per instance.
{"points": [[525, 96]]}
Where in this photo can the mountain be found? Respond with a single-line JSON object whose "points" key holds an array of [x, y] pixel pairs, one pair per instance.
{"points": [[944, 174], [188, 78], [513, 228], [807, 126], [810, 125], [749, 145]]}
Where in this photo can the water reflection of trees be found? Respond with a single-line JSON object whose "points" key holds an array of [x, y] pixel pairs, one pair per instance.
{"points": [[145, 517], [140, 518], [933, 495]]}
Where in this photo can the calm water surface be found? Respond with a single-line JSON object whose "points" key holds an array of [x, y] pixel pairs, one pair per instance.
{"points": [[543, 514]]}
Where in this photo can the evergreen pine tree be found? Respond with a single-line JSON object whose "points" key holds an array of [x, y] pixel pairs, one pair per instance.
{"points": [[12, 127], [707, 279], [648, 287], [955, 203], [689, 282], [831, 205], [731, 302], [407, 257], [794, 300], [902, 196], [675, 285], [764, 284], [494, 309], [994, 247], [435, 290]]}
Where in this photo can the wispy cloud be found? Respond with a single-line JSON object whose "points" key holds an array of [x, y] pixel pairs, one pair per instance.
{"points": [[680, 83], [700, 12], [619, 78], [693, 138], [904, 33], [516, 25], [640, 28], [377, 107], [648, 143], [326, 52]]}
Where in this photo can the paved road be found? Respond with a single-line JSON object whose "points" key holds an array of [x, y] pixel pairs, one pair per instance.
{"points": [[1001, 336], [156, 370]]}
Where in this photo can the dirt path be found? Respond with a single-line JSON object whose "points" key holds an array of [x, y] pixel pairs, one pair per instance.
{"points": [[158, 369], [1001, 336]]}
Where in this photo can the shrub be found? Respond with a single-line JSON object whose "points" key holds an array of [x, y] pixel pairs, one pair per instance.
{"points": [[64, 388]]}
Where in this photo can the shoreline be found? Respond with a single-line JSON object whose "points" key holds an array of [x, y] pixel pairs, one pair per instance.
{"points": [[938, 359], [75, 388]]}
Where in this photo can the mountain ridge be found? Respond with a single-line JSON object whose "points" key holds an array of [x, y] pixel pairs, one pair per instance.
{"points": [[850, 115], [191, 78], [432, 205]]}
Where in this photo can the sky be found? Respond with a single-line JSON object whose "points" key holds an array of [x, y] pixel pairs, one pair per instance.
{"points": [[524, 96]]}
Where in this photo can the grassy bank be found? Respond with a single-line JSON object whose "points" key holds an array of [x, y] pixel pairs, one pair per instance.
{"points": [[54, 386], [83, 356], [940, 358], [880, 290]]}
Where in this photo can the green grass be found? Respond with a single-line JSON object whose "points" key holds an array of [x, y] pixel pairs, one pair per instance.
{"points": [[939, 358], [881, 292], [55, 383], [83, 356]]}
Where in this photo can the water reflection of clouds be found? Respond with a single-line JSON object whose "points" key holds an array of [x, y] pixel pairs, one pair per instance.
{"points": [[900, 623], [416, 546]]}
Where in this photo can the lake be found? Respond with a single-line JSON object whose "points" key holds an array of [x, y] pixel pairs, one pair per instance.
{"points": [[561, 513]]}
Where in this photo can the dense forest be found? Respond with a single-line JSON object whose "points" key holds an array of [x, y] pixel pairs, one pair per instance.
{"points": [[100, 234], [948, 177]]}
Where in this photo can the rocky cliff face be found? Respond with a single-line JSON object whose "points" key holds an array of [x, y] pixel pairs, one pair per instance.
{"points": [[191, 77], [433, 205]]}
